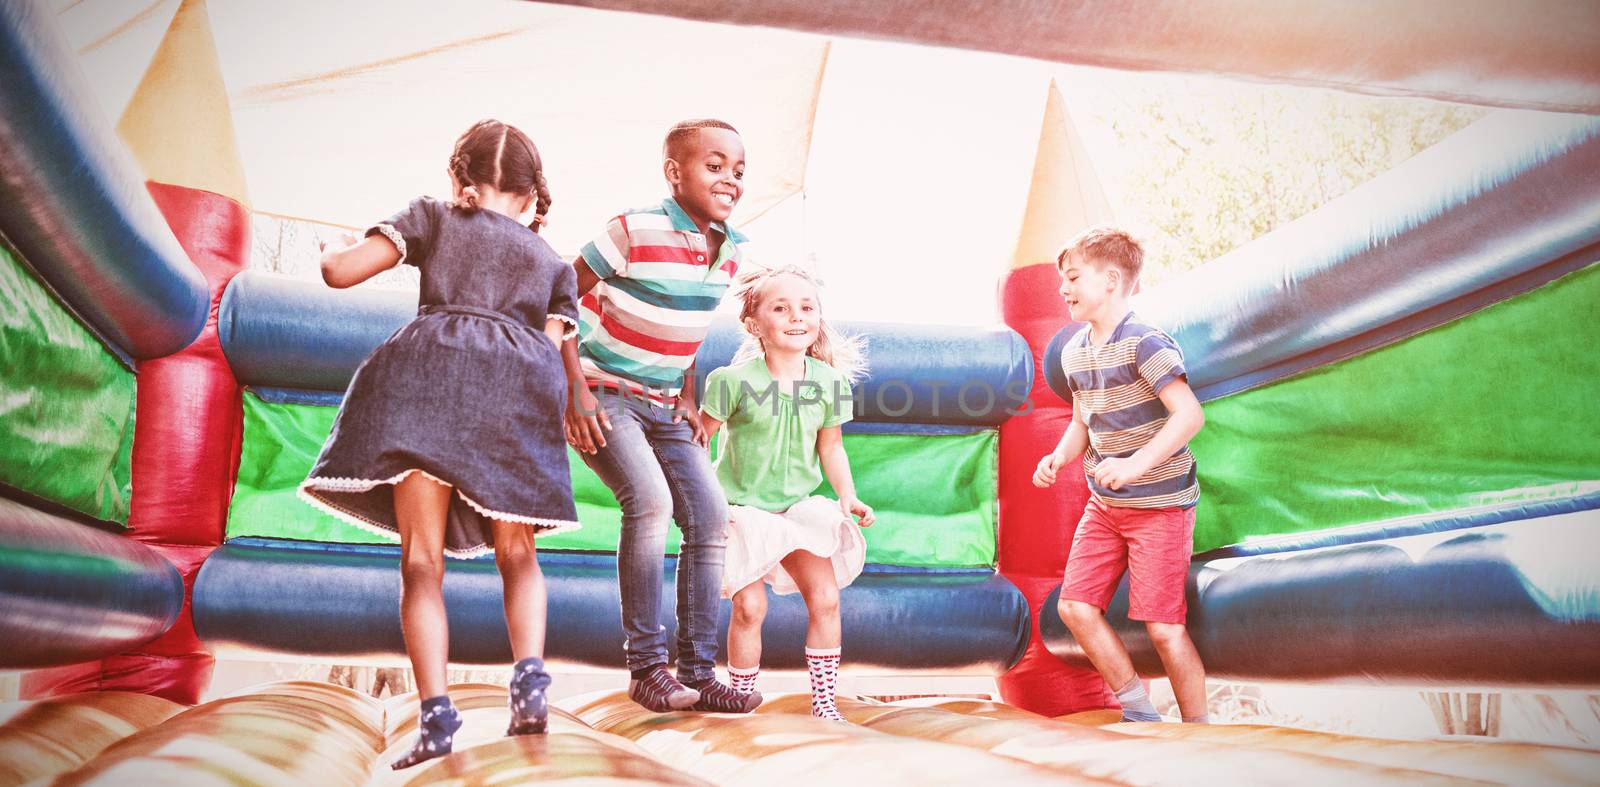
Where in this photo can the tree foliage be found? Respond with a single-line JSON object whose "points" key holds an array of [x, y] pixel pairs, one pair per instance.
{"points": [[1208, 165], [294, 248]]}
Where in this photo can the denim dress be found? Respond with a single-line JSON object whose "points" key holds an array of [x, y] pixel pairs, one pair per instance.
{"points": [[470, 393]]}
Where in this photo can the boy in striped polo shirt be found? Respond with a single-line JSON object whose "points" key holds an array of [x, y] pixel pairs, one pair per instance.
{"points": [[1133, 416], [647, 288]]}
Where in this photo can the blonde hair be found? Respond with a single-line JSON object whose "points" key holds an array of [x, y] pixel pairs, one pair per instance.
{"points": [[843, 353], [1109, 246]]}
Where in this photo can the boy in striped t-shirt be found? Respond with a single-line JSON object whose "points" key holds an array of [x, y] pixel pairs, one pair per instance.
{"points": [[647, 288], [1132, 418]]}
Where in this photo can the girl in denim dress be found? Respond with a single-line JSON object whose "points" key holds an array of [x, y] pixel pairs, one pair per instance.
{"points": [[450, 436]]}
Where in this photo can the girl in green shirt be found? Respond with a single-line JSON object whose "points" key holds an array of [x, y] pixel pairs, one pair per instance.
{"points": [[784, 399]]}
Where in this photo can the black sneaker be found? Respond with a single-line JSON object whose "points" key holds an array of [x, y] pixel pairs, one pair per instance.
{"points": [[660, 692], [716, 697]]}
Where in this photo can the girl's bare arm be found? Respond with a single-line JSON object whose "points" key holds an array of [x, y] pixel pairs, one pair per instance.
{"points": [[348, 262], [836, 468]]}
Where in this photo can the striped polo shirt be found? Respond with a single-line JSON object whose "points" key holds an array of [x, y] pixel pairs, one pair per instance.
{"points": [[641, 325], [1114, 390]]}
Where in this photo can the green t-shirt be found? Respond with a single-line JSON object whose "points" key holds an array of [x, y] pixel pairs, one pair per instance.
{"points": [[768, 455]]}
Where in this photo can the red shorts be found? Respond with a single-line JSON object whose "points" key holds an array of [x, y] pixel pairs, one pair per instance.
{"points": [[1153, 544]]}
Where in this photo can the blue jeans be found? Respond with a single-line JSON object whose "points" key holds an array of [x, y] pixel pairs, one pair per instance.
{"points": [[658, 473]]}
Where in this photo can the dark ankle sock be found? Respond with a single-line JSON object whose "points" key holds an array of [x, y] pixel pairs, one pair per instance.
{"points": [[641, 673], [656, 689], [530, 708], [436, 728], [715, 696]]}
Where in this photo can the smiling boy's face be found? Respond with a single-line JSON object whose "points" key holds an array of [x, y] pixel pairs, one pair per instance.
{"points": [[1087, 285], [707, 174]]}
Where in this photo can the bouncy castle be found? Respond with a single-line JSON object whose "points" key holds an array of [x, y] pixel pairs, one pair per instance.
{"points": [[1400, 465]]}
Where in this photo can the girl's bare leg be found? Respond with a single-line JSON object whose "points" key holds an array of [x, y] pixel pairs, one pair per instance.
{"points": [[525, 595], [525, 602], [744, 628], [421, 505], [814, 576]]}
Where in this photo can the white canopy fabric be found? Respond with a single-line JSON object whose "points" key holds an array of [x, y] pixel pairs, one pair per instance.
{"points": [[345, 110], [920, 158], [1532, 54]]}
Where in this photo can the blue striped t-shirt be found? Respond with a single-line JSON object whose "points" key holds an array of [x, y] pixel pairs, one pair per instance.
{"points": [[1114, 387]]}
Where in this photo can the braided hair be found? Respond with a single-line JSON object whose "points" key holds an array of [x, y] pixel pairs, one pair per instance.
{"points": [[499, 155]]}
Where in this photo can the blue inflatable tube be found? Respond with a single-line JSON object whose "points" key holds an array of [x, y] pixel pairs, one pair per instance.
{"points": [[339, 601], [1504, 206], [295, 335], [74, 203], [926, 374], [70, 593], [284, 332], [1512, 605]]}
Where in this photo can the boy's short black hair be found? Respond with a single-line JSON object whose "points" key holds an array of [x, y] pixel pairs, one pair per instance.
{"points": [[685, 131]]}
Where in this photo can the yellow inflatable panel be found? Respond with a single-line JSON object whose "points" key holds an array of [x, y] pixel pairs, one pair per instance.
{"points": [[1064, 196], [779, 747], [42, 739], [293, 734], [298, 734], [1498, 761], [1093, 718], [179, 123], [983, 709], [1083, 752], [483, 707], [553, 757]]}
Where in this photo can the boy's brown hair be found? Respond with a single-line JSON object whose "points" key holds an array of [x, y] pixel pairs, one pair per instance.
{"points": [[1106, 245]]}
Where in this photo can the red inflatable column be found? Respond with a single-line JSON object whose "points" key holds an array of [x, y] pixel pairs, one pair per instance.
{"points": [[188, 409], [1036, 525]]}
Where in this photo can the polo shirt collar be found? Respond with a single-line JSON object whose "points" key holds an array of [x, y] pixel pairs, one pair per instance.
{"points": [[1117, 331], [682, 223]]}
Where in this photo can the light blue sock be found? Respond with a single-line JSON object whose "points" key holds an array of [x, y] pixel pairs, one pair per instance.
{"points": [[1136, 705]]}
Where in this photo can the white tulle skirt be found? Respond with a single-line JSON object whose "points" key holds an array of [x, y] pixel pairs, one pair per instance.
{"points": [[759, 540]]}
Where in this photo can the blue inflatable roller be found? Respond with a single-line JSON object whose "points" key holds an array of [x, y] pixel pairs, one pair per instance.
{"points": [[328, 601]]}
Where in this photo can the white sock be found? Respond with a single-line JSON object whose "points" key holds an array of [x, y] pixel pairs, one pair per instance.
{"points": [[1136, 704], [823, 664], [743, 679]]}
